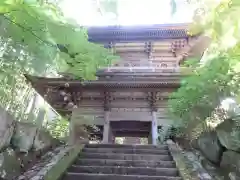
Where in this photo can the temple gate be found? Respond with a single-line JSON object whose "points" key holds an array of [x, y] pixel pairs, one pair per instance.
{"points": [[128, 99]]}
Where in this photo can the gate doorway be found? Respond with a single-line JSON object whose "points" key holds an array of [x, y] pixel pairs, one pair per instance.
{"points": [[131, 132]]}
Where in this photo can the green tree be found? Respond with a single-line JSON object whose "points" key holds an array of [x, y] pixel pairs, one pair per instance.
{"points": [[36, 39], [217, 76]]}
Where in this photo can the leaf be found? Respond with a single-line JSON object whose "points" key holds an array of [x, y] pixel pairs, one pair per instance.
{"points": [[30, 31], [109, 5], [173, 5]]}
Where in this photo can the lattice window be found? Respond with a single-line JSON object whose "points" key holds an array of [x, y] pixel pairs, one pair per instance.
{"points": [[179, 44], [164, 65]]}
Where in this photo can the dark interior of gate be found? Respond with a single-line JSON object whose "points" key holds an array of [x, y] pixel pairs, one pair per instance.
{"points": [[129, 98], [130, 132], [134, 130]]}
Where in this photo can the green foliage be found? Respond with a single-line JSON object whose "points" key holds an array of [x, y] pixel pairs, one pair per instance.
{"points": [[109, 6], [202, 92], [217, 77], [40, 27], [191, 62], [170, 132], [59, 128], [30, 34], [173, 5]]}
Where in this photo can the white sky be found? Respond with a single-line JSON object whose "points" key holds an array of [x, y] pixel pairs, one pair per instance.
{"points": [[131, 12]]}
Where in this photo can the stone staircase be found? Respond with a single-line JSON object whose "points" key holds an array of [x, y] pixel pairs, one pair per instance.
{"points": [[123, 162]]}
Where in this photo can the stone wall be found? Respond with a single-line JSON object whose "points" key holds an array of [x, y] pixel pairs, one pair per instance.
{"points": [[53, 164], [222, 147], [21, 145]]}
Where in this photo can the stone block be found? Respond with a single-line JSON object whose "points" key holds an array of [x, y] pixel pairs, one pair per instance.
{"points": [[24, 136], [10, 165], [234, 176], [124, 170], [135, 157], [85, 176], [210, 146], [124, 163], [43, 140], [6, 128], [231, 161], [126, 151], [127, 146], [229, 135]]}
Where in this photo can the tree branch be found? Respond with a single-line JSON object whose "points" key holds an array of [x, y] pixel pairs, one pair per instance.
{"points": [[30, 31]]}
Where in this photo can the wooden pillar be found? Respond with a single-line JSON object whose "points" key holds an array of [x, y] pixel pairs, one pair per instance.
{"points": [[150, 137], [154, 128], [111, 135], [106, 128]]}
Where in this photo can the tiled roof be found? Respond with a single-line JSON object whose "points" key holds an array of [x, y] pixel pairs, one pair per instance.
{"points": [[131, 33]]}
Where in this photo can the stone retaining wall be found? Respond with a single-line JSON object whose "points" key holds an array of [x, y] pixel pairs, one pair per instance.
{"points": [[189, 167], [53, 164], [222, 147], [21, 145]]}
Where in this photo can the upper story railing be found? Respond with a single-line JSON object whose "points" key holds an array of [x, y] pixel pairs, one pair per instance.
{"points": [[144, 69]]}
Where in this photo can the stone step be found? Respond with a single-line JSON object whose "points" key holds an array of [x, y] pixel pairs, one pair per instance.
{"points": [[126, 151], [125, 163], [119, 156], [126, 146], [124, 170], [85, 176]]}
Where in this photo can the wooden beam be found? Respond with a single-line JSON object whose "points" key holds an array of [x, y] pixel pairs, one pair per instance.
{"points": [[131, 134], [131, 130]]}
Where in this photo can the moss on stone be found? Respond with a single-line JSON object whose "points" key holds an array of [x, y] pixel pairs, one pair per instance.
{"points": [[58, 170], [10, 165], [186, 168]]}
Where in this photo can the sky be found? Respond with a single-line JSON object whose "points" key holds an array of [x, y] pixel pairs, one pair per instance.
{"points": [[131, 12]]}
